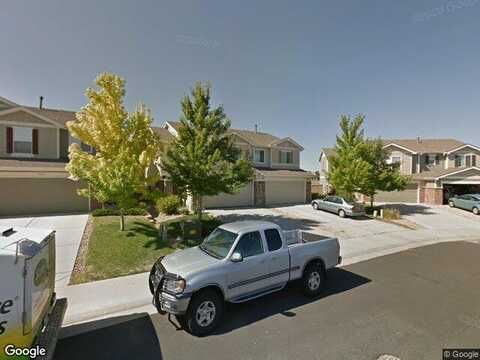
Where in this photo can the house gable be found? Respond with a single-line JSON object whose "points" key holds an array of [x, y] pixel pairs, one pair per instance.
{"points": [[25, 117], [469, 175], [239, 140], [6, 104], [286, 143]]}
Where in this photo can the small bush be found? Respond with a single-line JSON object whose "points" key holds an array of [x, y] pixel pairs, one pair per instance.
{"points": [[135, 211], [169, 205], [184, 211], [391, 214], [316, 196], [116, 212], [370, 209]]}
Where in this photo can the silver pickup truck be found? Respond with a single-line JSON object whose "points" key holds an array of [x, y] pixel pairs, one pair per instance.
{"points": [[238, 262]]}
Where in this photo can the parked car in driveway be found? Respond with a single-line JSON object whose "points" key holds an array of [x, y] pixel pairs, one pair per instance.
{"points": [[470, 202], [339, 205], [238, 262]]}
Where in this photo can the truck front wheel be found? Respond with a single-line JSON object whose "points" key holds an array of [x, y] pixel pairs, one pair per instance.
{"points": [[204, 313], [313, 279]]}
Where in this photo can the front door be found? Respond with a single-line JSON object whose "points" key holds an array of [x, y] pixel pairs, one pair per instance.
{"points": [[246, 277]]}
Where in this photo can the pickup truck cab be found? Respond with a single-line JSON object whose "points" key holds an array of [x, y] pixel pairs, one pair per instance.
{"points": [[238, 262]]}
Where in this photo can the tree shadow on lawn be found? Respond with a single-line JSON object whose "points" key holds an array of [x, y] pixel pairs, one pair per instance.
{"points": [[284, 301], [118, 338]]}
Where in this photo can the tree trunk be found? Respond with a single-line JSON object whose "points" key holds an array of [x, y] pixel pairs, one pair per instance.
{"points": [[199, 208], [372, 197], [122, 220]]}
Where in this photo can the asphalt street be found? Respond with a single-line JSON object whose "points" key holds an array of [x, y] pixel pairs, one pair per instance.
{"points": [[410, 304]]}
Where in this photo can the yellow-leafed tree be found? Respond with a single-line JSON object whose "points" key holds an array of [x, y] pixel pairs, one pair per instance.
{"points": [[125, 146]]}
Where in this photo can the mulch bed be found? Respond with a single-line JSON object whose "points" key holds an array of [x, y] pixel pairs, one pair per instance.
{"points": [[80, 261]]}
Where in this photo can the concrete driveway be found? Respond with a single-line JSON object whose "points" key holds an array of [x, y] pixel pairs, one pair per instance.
{"points": [[410, 304], [365, 238], [442, 217], [69, 230]]}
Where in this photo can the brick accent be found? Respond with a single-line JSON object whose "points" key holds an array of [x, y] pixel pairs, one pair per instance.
{"points": [[308, 191], [432, 196], [259, 193]]}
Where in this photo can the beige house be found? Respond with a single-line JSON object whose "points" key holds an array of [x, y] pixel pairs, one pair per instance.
{"points": [[33, 153], [438, 169], [278, 177]]}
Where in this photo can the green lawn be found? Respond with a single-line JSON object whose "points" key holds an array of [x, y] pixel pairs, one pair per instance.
{"points": [[113, 253]]}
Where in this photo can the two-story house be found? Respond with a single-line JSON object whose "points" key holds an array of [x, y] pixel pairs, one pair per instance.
{"points": [[34, 145], [278, 176], [437, 169]]}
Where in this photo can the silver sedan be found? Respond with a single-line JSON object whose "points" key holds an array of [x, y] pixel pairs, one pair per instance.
{"points": [[339, 205]]}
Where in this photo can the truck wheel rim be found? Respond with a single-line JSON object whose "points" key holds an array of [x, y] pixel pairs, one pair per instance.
{"points": [[314, 280], [205, 313]]}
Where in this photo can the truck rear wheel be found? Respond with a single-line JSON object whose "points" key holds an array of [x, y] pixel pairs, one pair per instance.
{"points": [[313, 279], [204, 313]]}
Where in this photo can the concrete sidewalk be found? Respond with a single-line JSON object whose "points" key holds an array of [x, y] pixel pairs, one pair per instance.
{"points": [[129, 294], [69, 230]]}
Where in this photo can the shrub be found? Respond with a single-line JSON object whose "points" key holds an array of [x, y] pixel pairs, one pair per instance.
{"points": [[184, 211], [370, 209], [318, 196], [391, 214], [116, 212], [169, 205]]}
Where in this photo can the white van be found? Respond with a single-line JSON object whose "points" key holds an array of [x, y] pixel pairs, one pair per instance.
{"points": [[30, 315]]}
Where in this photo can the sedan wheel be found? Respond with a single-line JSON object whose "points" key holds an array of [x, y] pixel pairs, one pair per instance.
{"points": [[476, 211], [451, 204], [342, 213], [315, 206]]}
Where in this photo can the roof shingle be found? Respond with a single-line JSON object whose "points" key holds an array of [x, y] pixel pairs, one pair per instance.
{"points": [[260, 139]]}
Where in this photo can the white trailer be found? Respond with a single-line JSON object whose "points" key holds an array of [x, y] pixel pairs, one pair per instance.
{"points": [[30, 314]]}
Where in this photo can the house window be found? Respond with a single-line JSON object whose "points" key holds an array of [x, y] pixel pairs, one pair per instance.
{"points": [[22, 140], [83, 146], [259, 156], [430, 159], [465, 160], [237, 154], [470, 160], [396, 160], [286, 157], [459, 160]]}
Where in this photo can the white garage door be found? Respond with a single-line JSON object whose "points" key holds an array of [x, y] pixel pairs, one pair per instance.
{"points": [[40, 196], [285, 192], [243, 198], [409, 195]]}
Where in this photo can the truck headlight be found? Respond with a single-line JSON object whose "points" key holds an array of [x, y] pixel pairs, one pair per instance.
{"points": [[175, 285]]}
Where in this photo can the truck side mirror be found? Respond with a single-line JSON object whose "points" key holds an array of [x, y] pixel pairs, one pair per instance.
{"points": [[236, 257]]}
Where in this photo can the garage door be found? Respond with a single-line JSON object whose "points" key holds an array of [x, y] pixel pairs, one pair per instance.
{"points": [[40, 196], [243, 198], [409, 195], [285, 192]]}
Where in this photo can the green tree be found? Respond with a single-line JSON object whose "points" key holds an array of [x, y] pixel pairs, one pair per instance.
{"points": [[348, 170], [125, 146], [382, 176], [360, 164], [202, 160]]}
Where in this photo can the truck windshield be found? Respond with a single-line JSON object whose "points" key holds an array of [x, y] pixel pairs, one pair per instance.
{"points": [[218, 243]]}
